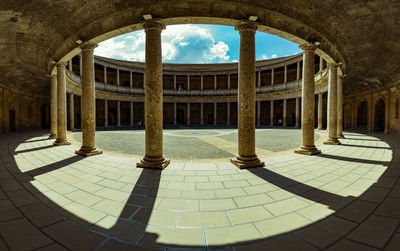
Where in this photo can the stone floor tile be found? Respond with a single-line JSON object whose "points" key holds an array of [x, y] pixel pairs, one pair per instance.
{"points": [[285, 243], [121, 229], [316, 211], [230, 193], [84, 213], [394, 243], [73, 236], [347, 245], [389, 208], [8, 211], [357, 211], [84, 198], [203, 219], [264, 188], [326, 232], [114, 208], [198, 194], [196, 179], [111, 183], [113, 194], [87, 186], [286, 206], [179, 205], [156, 217], [234, 234], [158, 236], [247, 215], [21, 197], [55, 198], [166, 193], [281, 224], [210, 185], [252, 200], [40, 215], [375, 231], [61, 187], [116, 245], [21, 235], [217, 205]]}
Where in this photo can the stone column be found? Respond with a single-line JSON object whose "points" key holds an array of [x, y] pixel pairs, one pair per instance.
{"points": [[105, 113], [298, 71], [201, 82], [332, 105], [285, 74], [215, 113], [61, 106], [320, 111], [284, 112], [228, 105], [258, 112], [88, 102], [340, 107], [71, 112], [130, 80], [272, 76], [229, 81], [246, 97], [53, 107], [118, 77], [321, 64], [118, 113], [175, 113], [201, 114], [387, 107], [174, 82], [188, 82], [297, 112], [70, 65], [131, 118], [188, 114], [259, 79], [272, 113], [153, 99], [215, 82], [80, 65], [308, 102], [105, 75]]}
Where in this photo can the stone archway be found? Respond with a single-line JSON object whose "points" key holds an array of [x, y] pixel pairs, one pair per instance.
{"points": [[362, 115], [379, 120], [346, 116]]}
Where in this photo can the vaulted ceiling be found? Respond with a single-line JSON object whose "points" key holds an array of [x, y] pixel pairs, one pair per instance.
{"points": [[362, 34]]}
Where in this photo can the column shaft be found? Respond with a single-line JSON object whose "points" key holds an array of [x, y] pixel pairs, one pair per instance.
{"points": [[53, 107], [297, 112], [271, 113], [258, 112], [61, 106], [105, 74], [246, 99], [340, 108], [387, 107], [153, 99], [131, 118], [88, 101], [118, 113], [332, 105], [320, 111], [188, 114], [175, 113], [308, 103], [285, 112]]}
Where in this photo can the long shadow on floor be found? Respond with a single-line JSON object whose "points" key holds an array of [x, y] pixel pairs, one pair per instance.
{"points": [[363, 146]]}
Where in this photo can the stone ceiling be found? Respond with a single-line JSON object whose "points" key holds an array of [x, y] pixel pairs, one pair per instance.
{"points": [[363, 34]]}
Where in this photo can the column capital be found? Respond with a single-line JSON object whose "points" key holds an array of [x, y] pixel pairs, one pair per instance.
{"points": [[246, 26], [152, 24], [61, 64], [88, 46], [332, 65], [308, 47]]}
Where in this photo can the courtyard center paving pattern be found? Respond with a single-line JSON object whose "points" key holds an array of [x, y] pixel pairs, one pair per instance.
{"points": [[346, 198]]}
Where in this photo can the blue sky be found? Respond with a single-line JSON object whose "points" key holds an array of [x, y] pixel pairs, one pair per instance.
{"points": [[192, 43]]}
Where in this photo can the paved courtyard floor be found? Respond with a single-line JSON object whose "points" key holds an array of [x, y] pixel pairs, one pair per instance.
{"points": [[209, 144], [347, 198]]}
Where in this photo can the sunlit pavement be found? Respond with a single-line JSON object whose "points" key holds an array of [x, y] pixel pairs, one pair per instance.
{"points": [[347, 198]]}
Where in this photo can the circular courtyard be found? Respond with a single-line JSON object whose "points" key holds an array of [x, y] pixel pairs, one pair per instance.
{"points": [[198, 144]]}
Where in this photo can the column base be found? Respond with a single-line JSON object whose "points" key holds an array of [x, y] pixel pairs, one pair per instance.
{"points": [[52, 136], [88, 151], [341, 136], [61, 142], [153, 163], [308, 150], [247, 162], [332, 142]]}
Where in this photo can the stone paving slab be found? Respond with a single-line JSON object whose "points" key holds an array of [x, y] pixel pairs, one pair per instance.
{"points": [[344, 199]]}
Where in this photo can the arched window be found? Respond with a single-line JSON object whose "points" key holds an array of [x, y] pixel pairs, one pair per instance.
{"points": [[398, 108]]}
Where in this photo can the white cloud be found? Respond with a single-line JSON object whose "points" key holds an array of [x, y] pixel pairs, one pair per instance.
{"points": [[180, 43], [274, 56], [263, 56]]}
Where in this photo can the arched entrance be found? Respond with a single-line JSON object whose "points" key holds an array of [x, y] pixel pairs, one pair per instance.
{"points": [[379, 122], [346, 116], [362, 115]]}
